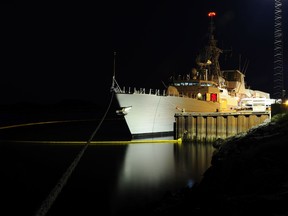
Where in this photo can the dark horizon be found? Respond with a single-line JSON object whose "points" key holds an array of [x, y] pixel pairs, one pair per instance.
{"points": [[58, 52]]}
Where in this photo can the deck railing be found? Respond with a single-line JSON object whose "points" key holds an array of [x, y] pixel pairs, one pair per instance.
{"points": [[157, 92], [130, 90]]}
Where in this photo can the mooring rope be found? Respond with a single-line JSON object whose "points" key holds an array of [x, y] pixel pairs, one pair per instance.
{"points": [[48, 202], [106, 142]]}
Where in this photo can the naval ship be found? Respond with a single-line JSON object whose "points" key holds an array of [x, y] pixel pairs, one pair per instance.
{"points": [[206, 89]]}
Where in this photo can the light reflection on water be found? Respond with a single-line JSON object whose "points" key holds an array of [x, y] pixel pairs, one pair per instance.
{"points": [[108, 178], [150, 170]]}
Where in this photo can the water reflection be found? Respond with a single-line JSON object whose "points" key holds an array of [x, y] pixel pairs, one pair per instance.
{"points": [[193, 158], [150, 170]]}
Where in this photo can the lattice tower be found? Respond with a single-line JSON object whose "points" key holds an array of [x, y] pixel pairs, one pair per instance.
{"points": [[278, 52]]}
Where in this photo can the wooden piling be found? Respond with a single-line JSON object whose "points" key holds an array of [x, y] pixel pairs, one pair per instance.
{"points": [[203, 127]]}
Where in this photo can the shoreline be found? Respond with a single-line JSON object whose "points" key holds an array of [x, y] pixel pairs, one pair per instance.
{"points": [[248, 175]]}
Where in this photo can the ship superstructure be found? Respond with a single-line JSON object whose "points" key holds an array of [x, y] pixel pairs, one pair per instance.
{"points": [[206, 89]]}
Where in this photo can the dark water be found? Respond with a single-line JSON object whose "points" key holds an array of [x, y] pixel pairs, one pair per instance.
{"points": [[108, 180]]}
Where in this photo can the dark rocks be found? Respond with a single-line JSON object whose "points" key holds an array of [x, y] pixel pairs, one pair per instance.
{"points": [[248, 175]]}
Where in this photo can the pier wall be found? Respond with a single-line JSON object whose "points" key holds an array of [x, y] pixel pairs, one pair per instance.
{"points": [[207, 127]]}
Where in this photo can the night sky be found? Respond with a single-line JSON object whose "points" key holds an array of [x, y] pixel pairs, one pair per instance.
{"points": [[54, 52]]}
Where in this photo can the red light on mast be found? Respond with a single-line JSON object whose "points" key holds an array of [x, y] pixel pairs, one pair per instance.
{"points": [[211, 14]]}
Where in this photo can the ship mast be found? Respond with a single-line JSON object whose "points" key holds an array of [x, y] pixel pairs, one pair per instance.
{"points": [[213, 49], [114, 87], [208, 60]]}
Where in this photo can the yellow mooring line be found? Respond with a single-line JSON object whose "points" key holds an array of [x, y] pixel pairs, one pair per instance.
{"points": [[39, 123], [178, 141]]}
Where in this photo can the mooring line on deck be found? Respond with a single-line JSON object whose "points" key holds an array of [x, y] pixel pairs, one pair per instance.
{"points": [[48, 202]]}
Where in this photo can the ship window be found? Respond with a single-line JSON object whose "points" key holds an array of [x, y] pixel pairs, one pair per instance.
{"points": [[206, 84], [187, 84]]}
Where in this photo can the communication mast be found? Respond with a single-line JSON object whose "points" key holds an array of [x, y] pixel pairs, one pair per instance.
{"points": [[208, 58], [279, 91]]}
